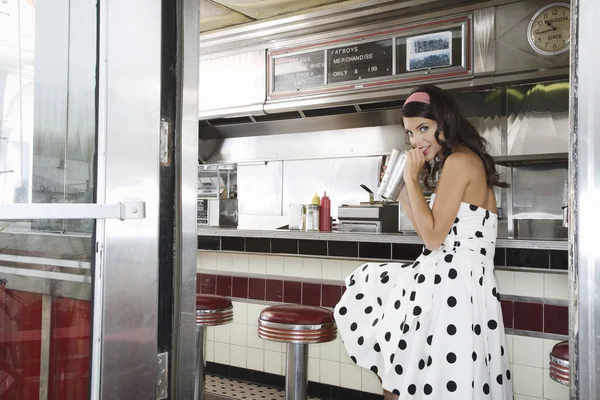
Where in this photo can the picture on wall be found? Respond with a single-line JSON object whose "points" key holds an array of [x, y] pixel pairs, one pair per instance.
{"points": [[433, 50]]}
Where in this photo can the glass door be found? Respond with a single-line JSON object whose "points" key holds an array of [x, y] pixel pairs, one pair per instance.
{"points": [[47, 149], [79, 199]]}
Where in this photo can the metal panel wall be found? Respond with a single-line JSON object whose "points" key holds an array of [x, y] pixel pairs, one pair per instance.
{"points": [[129, 115], [513, 52], [484, 43], [584, 199]]}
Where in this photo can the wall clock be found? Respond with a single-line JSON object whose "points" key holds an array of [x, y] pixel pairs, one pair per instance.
{"points": [[549, 31]]}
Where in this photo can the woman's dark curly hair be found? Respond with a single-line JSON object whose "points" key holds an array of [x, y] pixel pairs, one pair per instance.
{"points": [[457, 130]]}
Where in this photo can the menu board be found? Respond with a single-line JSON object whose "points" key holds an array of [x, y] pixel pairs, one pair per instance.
{"points": [[359, 61], [298, 71]]}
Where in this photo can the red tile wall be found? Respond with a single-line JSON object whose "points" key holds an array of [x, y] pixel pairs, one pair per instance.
{"points": [[536, 317], [274, 290]]}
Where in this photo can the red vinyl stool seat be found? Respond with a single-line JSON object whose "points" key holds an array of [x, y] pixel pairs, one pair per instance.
{"points": [[559, 363], [298, 326], [211, 310]]}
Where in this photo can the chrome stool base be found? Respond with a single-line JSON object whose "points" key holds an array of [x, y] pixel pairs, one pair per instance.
{"points": [[297, 326], [296, 376], [200, 362]]}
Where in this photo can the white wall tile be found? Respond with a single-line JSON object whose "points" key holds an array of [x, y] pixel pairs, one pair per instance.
{"points": [[224, 262], [344, 356], [314, 351], [240, 312], [523, 397], [556, 286], [222, 353], [252, 338], [239, 334], [210, 333], [554, 390], [257, 264], [255, 359], [349, 266], [273, 362], [238, 356], [254, 311], [274, 346], [292, 266], [209, 260], [240, 263], [330, 372], [223, 333], [528, 351], [198, 260], [511, 347], [351, 376], [210, 350], [283, 364], [275, 265], [370, 383], [330, 350], [528, 380], [505, 281], [311, 268], [529, 284], [332, 270], [313, 369]]}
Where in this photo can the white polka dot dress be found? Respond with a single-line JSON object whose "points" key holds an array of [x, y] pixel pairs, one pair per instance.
{"points": [[432, 329]]}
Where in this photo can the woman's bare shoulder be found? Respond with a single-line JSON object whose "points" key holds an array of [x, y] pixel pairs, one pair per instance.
{"points": [[465, 162]]}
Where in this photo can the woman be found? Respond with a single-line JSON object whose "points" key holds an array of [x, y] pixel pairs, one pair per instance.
{"points": [[433, 328]]}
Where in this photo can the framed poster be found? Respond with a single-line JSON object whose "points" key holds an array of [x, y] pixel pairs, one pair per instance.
{"points": [[433, 50]]}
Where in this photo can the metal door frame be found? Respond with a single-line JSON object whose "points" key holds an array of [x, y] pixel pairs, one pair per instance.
{"points": [[126, 291], [584, 193], [184, 321]]}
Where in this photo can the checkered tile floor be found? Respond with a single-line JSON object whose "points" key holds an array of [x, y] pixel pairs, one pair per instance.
{"points": [[236, 390]]}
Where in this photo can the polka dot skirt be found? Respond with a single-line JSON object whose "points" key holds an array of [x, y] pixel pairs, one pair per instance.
{"points": [[433, 328]]}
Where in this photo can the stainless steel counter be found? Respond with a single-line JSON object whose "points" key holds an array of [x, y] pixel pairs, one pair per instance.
{"points": [[369, 237]]}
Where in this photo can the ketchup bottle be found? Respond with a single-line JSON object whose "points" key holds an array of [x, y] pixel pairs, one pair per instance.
{"points": [[325, 215]]}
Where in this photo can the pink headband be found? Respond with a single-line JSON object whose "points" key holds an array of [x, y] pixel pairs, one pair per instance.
{"points": [[419, 97]]}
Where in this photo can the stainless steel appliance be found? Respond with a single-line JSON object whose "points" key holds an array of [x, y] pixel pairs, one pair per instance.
{"points": [[217, 195], [375, 218]]}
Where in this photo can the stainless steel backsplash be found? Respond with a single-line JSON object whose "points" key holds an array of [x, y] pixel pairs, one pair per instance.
{"points": [[277, 168]]}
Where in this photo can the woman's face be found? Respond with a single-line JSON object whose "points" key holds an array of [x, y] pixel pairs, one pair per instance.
{"points": [[421, 132]]}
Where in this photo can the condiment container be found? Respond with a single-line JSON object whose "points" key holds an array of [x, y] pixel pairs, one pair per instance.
{"points": [[311, 217], [325, 214]]}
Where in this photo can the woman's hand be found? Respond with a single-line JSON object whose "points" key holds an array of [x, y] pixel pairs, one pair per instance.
{"points": [[415, 160]]}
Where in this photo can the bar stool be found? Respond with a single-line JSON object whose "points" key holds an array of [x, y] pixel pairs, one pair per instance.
{"points": [[298, 326], [559, 363], [211, 310]]}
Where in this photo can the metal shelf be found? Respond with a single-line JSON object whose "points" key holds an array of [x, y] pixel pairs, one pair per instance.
{"points": [[529, 159]]}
